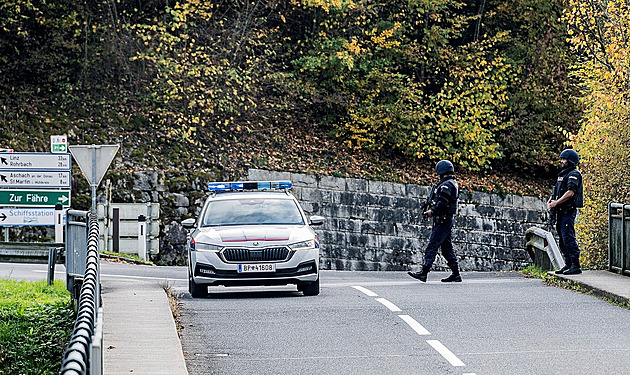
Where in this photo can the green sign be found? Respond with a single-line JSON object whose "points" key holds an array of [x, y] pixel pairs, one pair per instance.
{"points": [[34, 198]]}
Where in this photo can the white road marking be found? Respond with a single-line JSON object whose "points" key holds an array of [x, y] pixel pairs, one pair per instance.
{"points": [[447, 354], [365, 291], [388, 304], [414, 325]]}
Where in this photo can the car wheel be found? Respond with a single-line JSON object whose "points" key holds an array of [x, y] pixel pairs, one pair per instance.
{"points": [[310, 289], [196, 290]]}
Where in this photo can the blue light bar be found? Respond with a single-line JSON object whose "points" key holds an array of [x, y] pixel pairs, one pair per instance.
{"points": [[249, 185]]}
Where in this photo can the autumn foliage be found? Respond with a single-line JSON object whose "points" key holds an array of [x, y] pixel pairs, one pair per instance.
{"points": [[423, 79], [600, 32]]}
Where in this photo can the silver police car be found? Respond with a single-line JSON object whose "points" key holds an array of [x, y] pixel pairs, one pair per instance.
{"points": [[252, 233]]}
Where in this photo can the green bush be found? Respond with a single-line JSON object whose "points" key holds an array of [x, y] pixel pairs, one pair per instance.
{"points": [[36, 321]]}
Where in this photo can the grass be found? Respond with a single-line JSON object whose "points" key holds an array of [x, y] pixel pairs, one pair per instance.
{"points": [[534, 272], [126, 256], [36, 321]]}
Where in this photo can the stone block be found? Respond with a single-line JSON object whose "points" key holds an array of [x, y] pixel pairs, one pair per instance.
{"points": [[332, 183], [356, 185]]}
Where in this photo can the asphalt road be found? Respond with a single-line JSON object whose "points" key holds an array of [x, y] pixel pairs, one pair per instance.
{"points": [[386, 322]]}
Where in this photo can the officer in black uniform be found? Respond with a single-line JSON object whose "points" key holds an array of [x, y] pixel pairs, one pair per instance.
{"points": [[444, 206], [568, 198]]}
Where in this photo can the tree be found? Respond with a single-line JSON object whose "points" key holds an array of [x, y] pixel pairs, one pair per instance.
{"points": [[600, 31]]}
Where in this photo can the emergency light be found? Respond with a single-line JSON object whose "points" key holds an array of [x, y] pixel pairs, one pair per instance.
{"points": [[249, 185]]}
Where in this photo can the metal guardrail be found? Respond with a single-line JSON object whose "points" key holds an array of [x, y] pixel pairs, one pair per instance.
{"points": [[619, 238], [543, 249], [84, 353]]}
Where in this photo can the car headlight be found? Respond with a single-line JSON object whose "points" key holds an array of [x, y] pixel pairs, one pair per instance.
{"points": [[207, 247], [309, 244]]}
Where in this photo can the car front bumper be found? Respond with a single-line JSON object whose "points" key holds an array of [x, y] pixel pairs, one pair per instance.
{"points": [[209, 269]]}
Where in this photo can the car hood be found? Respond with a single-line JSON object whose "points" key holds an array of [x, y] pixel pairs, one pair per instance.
{"points": [[265, 235]]}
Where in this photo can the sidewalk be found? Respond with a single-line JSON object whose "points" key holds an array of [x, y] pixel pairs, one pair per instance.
{"points": [[139, 331], [602, 283]]}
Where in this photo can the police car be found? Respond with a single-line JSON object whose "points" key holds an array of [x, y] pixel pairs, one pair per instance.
{"points": [[252, 233]]}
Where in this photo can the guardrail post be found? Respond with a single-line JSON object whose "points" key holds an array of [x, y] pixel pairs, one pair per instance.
{"points": [[52, 260], [58, 223], [142, 237], [116, 229]]}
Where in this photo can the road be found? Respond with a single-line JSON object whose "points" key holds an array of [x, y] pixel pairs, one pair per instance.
{"points": [[386, 322]]}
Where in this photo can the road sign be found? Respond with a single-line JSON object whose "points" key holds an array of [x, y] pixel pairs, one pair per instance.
{"points": [[34, 160], [94, 160], [34, 179], [58, 143], [27, 216], [34, 198]]}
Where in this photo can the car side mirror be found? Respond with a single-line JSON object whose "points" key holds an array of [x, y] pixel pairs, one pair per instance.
{"points": [[317, 220], [188, 223]]}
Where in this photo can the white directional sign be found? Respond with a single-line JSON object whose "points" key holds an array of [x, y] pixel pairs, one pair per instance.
{"points": [[34, 160], [27, 216], [34, 179]]}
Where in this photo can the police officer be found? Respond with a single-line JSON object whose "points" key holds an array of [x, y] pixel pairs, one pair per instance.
{"points": [[444, 206], [569, 196]]}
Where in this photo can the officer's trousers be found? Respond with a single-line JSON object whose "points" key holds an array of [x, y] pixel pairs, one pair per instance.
{"points": [[566, 232], [441, 238]]}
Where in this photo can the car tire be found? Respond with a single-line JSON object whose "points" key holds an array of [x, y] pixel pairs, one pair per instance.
{"points": [[310, 289], [196, 290]]}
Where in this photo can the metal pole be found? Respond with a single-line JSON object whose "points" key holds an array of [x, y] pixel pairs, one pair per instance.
{"points": [[6, 234], [93, 179], [623, 243], [610, 231]]}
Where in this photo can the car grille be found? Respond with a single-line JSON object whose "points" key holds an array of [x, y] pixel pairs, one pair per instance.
{"points": [[270, 254]]}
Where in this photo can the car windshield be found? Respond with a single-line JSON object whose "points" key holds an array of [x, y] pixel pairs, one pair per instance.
{"points": [[252, 211]]}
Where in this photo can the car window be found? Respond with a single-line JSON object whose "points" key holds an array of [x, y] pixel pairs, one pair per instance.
{"points": [[255, 211]]}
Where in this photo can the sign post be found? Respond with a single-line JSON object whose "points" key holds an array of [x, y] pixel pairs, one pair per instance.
{"points": [[94, 161]]}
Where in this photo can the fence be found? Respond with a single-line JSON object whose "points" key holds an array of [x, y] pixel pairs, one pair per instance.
{"points": [[84, 354], [619, 238]]}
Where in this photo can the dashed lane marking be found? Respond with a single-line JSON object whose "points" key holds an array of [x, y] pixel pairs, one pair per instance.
{"points": [[365, 291], [414, 325], [447, 354], [388, 304]]}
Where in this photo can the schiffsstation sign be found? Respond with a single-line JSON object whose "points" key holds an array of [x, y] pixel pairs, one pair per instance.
{"points": [[27, 216]]}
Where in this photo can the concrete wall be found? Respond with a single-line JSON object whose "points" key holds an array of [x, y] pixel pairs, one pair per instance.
{"points": [[375, 225]]}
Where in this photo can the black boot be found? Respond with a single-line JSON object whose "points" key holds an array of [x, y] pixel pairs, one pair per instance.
{"points": [[575, 268], [422, 275], [563, 269], [453, 278]]}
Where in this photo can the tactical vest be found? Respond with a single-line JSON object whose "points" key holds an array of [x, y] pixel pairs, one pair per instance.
{"points": [[451, 208], [562, 186]]}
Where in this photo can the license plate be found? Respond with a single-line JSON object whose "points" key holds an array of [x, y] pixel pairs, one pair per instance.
{"points": [[267, 267]]}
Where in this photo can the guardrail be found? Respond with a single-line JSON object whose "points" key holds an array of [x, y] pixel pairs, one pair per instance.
{"points": [[543, 249], [619, 238], [84, 353]]}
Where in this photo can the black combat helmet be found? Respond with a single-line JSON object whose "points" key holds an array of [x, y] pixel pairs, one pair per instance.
{"points": [[444, 167], [571, 155]]}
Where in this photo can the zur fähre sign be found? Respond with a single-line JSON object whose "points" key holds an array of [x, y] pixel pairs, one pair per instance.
{"points": [[34, 198]]}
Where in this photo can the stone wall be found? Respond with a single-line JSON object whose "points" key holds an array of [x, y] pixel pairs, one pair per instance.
{"points": [[375, 225]]}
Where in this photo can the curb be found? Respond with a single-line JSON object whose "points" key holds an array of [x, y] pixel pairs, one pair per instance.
{"points": [[575, 280]]}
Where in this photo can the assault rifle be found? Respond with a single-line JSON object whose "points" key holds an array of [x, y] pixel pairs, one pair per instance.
{"points": [[428, 203], [552, 212]]}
